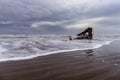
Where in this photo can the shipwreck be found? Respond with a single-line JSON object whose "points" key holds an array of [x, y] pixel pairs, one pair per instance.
{"points": [[86, 34]]}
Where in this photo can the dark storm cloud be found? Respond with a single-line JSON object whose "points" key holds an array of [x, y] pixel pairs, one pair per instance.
{"points": [[45, 16]]}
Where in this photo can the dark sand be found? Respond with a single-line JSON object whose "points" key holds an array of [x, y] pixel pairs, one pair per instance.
{"points": [[97, 64]]}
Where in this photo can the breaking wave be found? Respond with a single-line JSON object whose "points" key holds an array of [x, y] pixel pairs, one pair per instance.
{"points": [[27, 47]]}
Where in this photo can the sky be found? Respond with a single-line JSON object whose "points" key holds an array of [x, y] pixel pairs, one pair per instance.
{"points": [[59, 16]]}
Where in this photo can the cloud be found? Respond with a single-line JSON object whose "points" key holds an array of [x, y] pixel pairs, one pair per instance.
{"points": [[41, 9], [60, 15], [38, 24], [6, 22], [86, 23]]}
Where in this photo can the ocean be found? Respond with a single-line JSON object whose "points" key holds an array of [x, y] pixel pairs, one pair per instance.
{"points": [[53, 57], [19, 47]]}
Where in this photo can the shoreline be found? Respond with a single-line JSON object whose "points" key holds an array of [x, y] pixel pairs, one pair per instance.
{"points": [[50, 53], [76, 65]]}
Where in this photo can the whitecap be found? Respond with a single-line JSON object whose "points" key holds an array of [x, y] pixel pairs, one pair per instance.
{"points": [[30, 47]]}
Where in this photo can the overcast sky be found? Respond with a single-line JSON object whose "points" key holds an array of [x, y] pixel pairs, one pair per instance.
{"points": [[59, 16]]}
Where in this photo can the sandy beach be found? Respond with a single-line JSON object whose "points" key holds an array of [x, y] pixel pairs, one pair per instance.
{"points": [[59, 40], [98, 64]]}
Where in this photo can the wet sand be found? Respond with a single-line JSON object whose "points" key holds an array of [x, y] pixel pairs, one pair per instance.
{"points": [[97, 64]]}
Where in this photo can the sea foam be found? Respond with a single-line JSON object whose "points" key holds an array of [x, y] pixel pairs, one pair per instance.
{"points": [[19, 48]]}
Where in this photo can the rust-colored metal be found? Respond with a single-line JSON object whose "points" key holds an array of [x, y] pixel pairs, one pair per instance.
{"points": [[86, 34]]}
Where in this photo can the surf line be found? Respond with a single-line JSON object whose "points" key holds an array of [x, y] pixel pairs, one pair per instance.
{"points": [[49, 53]]}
